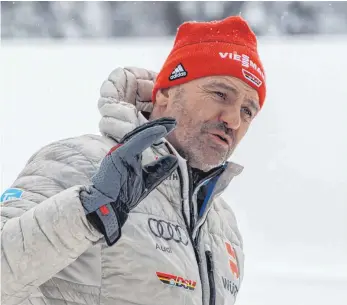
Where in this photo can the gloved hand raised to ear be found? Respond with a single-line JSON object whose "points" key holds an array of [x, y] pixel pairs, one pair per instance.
{"points": [[122, 182]]}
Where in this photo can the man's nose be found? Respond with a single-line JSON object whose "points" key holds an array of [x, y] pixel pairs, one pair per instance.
{"points": [[231, 116]]}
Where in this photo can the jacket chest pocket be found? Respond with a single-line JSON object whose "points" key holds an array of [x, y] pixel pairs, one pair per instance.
{"points": [[224, 263]]}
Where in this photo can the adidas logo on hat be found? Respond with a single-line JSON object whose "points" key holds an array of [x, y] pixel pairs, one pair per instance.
{"points": [[178, 72]]}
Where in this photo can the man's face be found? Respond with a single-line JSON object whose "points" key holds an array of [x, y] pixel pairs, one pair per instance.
{"points": [[213, 115]]}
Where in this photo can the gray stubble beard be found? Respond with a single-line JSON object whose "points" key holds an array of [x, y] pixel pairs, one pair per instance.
{"points": [[195, 157]]}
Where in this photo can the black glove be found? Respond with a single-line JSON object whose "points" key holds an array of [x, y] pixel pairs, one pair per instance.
{"points": [[122, 182]]}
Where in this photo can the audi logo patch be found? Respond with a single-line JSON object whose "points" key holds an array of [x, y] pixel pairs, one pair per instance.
{"points": [[168, 231]]}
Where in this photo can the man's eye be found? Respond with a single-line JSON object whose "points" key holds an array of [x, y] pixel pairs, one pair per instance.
{"points": [[220, 94], [247, 111]]}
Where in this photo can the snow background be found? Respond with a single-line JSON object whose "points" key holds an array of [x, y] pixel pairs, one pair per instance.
{"points": [[291, 199], [107, 19]]}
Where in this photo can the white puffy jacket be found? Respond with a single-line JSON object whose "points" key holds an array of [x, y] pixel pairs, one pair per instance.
{"points": [[167, 254]]}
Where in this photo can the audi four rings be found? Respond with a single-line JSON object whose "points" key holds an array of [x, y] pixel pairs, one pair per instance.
{"points": [[168, 231]]}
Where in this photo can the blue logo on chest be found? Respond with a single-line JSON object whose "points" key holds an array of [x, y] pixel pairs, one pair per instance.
{"points": [[11, 193]]}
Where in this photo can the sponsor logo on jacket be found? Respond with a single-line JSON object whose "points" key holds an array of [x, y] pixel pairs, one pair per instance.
{"points": [[12, 193], [177, 281], [232, 260], [230, 286], [168, 231], [173, 176], [163, 248]]}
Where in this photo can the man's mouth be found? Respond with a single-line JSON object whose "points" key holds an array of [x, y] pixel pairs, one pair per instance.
{"points": [[221, 139]]}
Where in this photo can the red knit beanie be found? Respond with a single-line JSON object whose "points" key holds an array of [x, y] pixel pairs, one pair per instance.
{"points": [[225, 47]]}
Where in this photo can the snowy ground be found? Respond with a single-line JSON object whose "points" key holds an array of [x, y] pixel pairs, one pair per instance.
{"points": [[290, 201]]}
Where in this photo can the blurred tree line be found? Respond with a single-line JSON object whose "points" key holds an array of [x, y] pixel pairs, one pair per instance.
{"points": [[106, 19]]}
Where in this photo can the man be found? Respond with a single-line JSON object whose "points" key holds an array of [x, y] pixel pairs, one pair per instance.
{"points": [[135, 216]]}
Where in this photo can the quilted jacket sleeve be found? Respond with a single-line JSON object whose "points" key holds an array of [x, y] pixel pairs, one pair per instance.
{"points": [[46, 229]]}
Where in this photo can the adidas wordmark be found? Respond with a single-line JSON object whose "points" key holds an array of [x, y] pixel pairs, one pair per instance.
{"points": [[178, 72]]}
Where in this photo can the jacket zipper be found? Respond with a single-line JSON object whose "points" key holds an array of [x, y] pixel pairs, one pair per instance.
{"points": [[208, 253], [210, 272], [190, 195], [195, 242], [189, 229], [192, 224]]}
